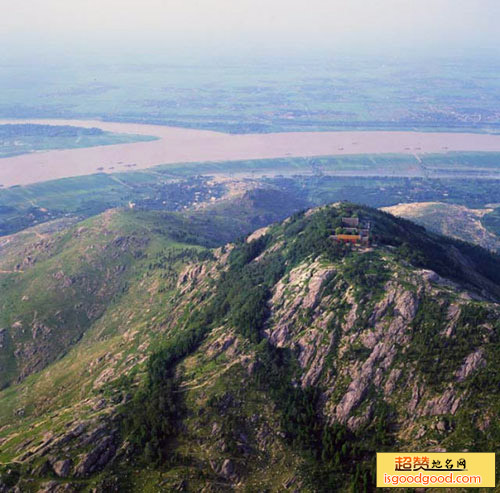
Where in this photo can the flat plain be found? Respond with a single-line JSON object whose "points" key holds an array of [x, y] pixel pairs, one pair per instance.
{"points": [[182, 145]]}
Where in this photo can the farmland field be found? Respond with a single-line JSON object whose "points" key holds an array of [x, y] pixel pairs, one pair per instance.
{"points": [[313, 93], [376, 180], [18, 138], [179, 145], [320, 129]]}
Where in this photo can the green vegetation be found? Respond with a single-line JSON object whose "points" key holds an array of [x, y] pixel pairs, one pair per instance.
{"points": [[154, 415], [380, 191], [440, 355], [58, 289], [438, 253], [284, 365], [367, 273], [175, 187], [24, 138], [152, 419], [21, 207], [379, 168], [335, 458], [262, 95], [240, 300], [180, 370], [491, 221], [452, 220]]}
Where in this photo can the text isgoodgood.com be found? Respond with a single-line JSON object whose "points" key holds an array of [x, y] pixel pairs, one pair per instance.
{"points": [[425, 479]]}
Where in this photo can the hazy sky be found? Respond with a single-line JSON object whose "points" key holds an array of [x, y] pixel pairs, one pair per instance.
{"points": [[342, 25]]}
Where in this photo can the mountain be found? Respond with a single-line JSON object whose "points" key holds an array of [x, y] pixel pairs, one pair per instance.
{"points": [[55, 287], [452, 220], [279, 362]]}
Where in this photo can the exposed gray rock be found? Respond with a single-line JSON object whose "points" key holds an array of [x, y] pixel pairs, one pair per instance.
{"points": [[75, 432], [415, 398], [55, 487], [190, 275], [216, 428], [452, 316], [430, 275], [474, 361], [360, 383], [252, 366], [42, 469], [94, 435], [97, 458], [299, 291], [352, 316], [227, 470], [220, 345], [369, 339], [406, 304], [315, 283], [355, 392], [62, 467], [355, 422], [391, 381], [316, 354], [377, 379], [3, 337], [446, 403], [221, 445], [281, 335], [40, 330], [382, 306], [257, 234], [100, 404], [441, 425]]}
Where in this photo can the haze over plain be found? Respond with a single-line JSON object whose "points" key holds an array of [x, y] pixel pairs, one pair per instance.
{"points": [[247, 27], [232, 319]]}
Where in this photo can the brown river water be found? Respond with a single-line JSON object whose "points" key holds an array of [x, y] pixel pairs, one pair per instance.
{"points": [[182, 145]]}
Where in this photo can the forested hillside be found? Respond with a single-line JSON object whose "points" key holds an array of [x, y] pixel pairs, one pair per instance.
{"points": [[281, 361]]}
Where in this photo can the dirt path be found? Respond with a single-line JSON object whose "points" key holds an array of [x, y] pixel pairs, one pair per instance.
{"points": [[190, 386], [121, 182]]}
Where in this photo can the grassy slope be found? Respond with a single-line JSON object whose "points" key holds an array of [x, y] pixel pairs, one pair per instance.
{"points": [[210, 378], [451, 220], [55, 288], [491, 221], [127, 321], [120, 339], [21, 207], [228, 409]]}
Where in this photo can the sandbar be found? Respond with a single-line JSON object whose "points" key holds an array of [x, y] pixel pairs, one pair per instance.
{"points": [[182, 145]]}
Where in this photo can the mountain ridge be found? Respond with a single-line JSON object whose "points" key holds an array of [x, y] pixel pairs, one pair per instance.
{"points": [[452, 220], [283, 348]]}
